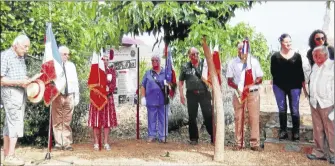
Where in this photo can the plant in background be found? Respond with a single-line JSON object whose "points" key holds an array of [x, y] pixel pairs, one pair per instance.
{"points": [[72, 27], [143, 67], [227, 42]]}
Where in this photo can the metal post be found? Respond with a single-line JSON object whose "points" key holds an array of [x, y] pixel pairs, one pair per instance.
{"points": [[138, 90]]}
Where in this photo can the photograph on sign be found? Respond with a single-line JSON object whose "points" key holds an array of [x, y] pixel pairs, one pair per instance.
{"points": [[125, 64]]}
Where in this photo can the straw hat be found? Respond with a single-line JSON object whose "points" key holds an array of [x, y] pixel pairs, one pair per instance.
{"points": [[35, 91]]}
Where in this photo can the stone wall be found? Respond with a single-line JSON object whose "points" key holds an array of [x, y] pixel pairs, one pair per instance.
{"points": [[268, 101]]}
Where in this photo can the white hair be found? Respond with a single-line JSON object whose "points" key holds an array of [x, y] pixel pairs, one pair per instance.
{"points": [[156, 56], [323, 49], [63, 48], [20, 39]]}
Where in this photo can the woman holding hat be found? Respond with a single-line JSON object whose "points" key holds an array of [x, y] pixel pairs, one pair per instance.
{"points": [[105, 118]]}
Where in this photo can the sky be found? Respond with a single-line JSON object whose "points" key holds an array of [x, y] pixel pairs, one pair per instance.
{"points": [[299, 19]]}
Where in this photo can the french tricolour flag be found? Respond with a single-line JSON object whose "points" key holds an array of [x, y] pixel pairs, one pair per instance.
{"points": [[53, 74]]}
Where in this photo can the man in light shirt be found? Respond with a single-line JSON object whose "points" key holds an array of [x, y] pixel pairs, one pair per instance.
{"points": [[252, 102], [13, 82], [321, 99], [63, 105]]}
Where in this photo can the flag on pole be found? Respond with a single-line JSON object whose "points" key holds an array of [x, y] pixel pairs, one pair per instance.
{"points": [[97, 82], [246, 75], [170, 75], [53, 74], [217, 64]]}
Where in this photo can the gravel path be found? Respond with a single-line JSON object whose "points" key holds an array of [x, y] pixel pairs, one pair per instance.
{"points": [[139, 152]]}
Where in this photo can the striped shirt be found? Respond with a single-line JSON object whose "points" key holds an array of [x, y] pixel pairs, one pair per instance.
{"points": [[12, 65]]}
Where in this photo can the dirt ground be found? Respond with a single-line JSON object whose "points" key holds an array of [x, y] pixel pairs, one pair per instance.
{"points": [[139, 152]]}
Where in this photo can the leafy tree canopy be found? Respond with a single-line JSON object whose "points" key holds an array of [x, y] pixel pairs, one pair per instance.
{"points": [[178, 19]]}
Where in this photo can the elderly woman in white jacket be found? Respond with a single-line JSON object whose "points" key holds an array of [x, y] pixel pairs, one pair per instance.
{"points": [[321, 98]]}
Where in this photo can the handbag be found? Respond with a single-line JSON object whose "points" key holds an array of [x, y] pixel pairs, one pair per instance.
{"points": [[166, 98]]}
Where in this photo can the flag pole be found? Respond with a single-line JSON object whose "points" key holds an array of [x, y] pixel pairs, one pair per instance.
{"points": [[49, 10], [166, 93], [48, 155], [214, 118], [242, 126], [99, 137], [138, 96]]}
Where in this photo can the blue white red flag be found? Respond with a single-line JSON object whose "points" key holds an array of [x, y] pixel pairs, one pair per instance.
{"points": [[53, 74], [170, 75]]}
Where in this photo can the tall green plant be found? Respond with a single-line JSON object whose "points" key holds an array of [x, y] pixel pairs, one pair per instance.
{"points": [[143, 68]]}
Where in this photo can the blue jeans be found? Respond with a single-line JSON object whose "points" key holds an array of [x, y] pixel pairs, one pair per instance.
{"points": [[157, 113], [293, 97]]}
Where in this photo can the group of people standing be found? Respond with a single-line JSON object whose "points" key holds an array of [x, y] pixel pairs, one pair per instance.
{"points": [[14, 93], [288, 78], [317, 83]]}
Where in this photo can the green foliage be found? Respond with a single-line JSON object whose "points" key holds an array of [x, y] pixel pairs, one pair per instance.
{"points": [[143, 67], [178, 18], [227, 41], [88, 26], [72, 27], [328, 3], [79, 25]]}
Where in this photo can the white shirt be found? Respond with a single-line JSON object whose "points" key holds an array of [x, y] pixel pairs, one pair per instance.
{"points": [[321, 85], [235, 66], [72, 80]]}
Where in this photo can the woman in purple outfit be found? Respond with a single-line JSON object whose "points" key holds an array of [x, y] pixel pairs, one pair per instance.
{"points": [[153, 98]]}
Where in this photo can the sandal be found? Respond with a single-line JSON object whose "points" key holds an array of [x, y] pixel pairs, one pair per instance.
{"points": [[107, 147], [96, 146]]}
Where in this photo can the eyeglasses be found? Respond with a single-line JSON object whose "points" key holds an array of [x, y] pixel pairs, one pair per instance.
{"points": [[194, 54], [320, 38], [154, 60], [23, 46]]}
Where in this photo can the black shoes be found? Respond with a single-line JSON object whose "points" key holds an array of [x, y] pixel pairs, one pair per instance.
{"points": [[295, 137], [193, 142], [69, 148], [58, 148], [283, 135]]}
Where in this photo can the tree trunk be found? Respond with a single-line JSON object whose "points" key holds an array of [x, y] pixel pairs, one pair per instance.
{"points": [[218, 106]]}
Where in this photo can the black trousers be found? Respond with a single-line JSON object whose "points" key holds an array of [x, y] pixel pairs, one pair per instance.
{"points": [[194, 98]]}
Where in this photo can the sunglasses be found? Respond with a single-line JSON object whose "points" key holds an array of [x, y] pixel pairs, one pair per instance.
{"points": [[320, 38]]}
